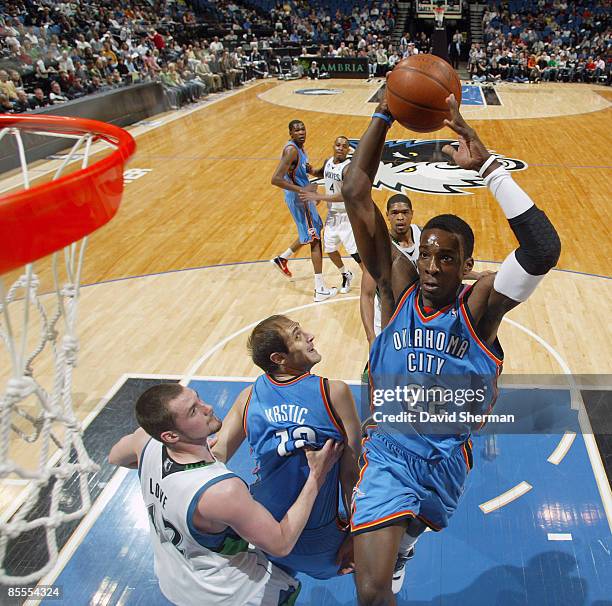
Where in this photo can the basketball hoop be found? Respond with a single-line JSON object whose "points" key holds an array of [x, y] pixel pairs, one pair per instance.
{"points": [[70, 207], [36, 363], [439, 16]]}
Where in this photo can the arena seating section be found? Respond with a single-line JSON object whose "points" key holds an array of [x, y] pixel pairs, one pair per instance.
{"points": [[53, 51]]}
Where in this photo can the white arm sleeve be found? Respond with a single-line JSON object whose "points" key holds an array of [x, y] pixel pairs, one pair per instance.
{"points": [[509, 195], [513, 281]]}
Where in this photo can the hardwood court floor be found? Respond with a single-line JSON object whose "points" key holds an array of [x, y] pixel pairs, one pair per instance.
{"points": [[516, 100], [208, 201]]}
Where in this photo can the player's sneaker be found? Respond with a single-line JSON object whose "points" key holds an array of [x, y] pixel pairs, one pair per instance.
{"points": [[400, 570], [326, 293], [347, 278], [282, 266]]}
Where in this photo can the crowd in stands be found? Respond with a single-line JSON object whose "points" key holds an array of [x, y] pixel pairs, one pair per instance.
{"points": [[53, 51], [544, 40]]}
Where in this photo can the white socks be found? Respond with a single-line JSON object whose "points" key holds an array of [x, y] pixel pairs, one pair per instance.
{"points": [[319, 282], [287, 254], [407, 543]]}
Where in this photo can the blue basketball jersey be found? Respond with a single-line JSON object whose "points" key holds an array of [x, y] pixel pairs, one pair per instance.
{"points": [[298, 175], [280, 419], [432, 378]]}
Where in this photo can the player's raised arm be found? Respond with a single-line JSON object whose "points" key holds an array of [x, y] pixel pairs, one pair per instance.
{"points": [[539, 244], [366, 305], [369, 227], [231, 503], [231, 435]]}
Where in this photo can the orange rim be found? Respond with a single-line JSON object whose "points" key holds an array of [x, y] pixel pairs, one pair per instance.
{"points": [[46, 218]]}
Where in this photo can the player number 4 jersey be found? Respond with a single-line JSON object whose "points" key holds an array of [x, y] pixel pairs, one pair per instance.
{"points": [[332, 174]]}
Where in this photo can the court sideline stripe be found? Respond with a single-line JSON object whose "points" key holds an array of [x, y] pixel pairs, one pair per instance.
{"points": [[84, 527], [254, 262]]}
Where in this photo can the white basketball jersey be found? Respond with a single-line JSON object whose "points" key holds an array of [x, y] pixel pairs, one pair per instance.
{"points": [[194, 568], [333, 182], [411, 252]]}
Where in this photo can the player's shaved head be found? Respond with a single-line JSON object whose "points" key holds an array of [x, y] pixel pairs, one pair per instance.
{"points": [[268, 338]]}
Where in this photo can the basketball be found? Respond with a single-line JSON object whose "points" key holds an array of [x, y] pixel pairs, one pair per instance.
{"points": [[417, 89]]}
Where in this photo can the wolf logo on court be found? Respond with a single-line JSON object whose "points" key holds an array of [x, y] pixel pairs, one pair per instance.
{"points": [[419, 165]]}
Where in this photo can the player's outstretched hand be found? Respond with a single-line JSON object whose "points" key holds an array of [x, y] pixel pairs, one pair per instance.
{"points": [[472, 153], [382, 107], [321, 461], [309, 196]]}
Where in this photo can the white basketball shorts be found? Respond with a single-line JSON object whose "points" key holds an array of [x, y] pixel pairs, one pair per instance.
{"points": [[338, 231]]}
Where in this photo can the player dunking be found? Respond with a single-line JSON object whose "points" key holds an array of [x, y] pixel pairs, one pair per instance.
{"points": [[202, 516], [337, 229], [291, 175], [440, 336], [286, 410]]}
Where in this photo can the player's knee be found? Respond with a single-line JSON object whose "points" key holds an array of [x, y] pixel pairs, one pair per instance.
{"points": [[372, 591], [356, 257]]}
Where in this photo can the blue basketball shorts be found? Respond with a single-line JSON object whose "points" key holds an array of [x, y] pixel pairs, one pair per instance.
{"points": [[395, 485], [315, 552], [306, 217]]}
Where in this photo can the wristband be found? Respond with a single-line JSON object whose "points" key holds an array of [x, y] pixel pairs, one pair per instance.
{"points": [[385, 117], [486, 165]]}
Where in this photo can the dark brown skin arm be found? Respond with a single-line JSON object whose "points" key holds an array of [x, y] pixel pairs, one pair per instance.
{"points": [[366, 305], [288, 160], [318, 173], [368, 223]]}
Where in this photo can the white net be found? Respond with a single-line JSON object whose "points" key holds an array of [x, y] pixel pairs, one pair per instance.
{"points": [[44, 466]]}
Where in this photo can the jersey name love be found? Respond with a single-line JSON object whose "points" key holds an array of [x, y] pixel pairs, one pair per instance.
{"points": [[158, 493]]}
